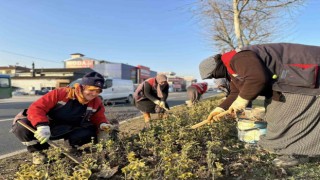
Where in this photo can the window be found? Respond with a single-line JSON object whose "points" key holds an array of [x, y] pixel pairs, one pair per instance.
{"points": [[107, 84], [4, 82]]}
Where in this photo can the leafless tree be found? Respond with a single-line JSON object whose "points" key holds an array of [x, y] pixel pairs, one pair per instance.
{"points": [[237, 23]]}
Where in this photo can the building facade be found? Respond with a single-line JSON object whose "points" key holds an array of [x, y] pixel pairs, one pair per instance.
{"points": [[117, 70], [13, 70], [178, 83], [143, 73], [78, 60], [111, 69], [76, 66], [39, 79]]}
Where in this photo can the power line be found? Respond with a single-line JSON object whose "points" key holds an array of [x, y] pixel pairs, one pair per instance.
{"points": [[23, 55]]}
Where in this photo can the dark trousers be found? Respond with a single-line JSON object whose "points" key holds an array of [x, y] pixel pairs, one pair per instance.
{"points": [[76, 136], [193, 94]]}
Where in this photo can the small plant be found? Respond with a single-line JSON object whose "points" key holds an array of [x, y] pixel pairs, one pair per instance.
{"points": [[136, 169]]}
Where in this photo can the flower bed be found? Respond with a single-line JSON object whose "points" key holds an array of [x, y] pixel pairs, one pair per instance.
{"points": [[171, 150]]}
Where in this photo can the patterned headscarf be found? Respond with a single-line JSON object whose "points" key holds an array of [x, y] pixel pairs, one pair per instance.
{"points": [[76, 92], [160, 78]]}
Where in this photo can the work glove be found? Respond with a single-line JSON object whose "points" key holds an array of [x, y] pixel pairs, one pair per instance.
{"points": [[157, 102], [238, 105], [161, 104], [106, 127], [215, 112], [189, 103], [42, 134]]}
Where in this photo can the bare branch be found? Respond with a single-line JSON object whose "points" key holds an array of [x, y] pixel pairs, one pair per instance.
{"points": [[243, 22]]}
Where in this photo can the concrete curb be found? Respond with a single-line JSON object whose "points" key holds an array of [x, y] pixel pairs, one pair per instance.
{"points": [[13, 154]]}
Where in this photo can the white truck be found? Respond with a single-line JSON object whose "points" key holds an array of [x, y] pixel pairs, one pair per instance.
{"points": [[114, 90]]}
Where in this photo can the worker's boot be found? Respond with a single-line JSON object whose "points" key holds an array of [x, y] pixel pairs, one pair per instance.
{"points": [[160, 116], [39, 157], [189, 103], [147, 118]]}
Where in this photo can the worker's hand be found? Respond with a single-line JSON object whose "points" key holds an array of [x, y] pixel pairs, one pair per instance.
{"points": [[42, 134], [238, 105], [157, 102], [162, 104], [106, 127], [215, 112]]}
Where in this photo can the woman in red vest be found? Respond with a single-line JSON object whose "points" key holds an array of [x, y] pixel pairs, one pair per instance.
{"points": [[75, 114], [151, 96], [288, 76], [194, 92]]}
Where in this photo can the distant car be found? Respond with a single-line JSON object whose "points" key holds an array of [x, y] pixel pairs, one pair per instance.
{"points": [[19, 93], [32, 92], [210, 89], [41, 92], [170, 89]]}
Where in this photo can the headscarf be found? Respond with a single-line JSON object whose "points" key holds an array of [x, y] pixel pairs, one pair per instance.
{"points": [[213, 67], [90, 81], [75, 92], [220, 70], [226, 58], [160, 78]]}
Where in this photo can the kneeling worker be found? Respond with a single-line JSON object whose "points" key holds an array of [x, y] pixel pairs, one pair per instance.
{"points": [[194, 92], [75, 114], [151, 96]]}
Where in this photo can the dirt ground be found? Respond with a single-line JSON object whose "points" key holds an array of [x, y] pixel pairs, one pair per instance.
{"points": [[9, 166]]}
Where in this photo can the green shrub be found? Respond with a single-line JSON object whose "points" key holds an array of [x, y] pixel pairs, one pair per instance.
{"points": [[171, 150]]}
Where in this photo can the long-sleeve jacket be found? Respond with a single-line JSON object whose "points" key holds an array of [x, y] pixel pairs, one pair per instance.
{"points": [[249, 80], [282, 67], [201, 87], [294, 67], [57, 99], [148, 89]]}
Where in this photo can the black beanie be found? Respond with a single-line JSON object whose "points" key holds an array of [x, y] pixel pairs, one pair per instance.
{"points": [[93, 79]]}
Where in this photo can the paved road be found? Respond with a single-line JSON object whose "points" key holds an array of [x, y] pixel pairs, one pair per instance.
{"points": [[10, 107]]}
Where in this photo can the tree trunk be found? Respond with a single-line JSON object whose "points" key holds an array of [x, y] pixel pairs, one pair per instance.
{"points": [[237, 23]]}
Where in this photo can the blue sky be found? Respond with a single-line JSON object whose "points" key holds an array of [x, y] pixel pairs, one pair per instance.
{"points": [[163, 35]]}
